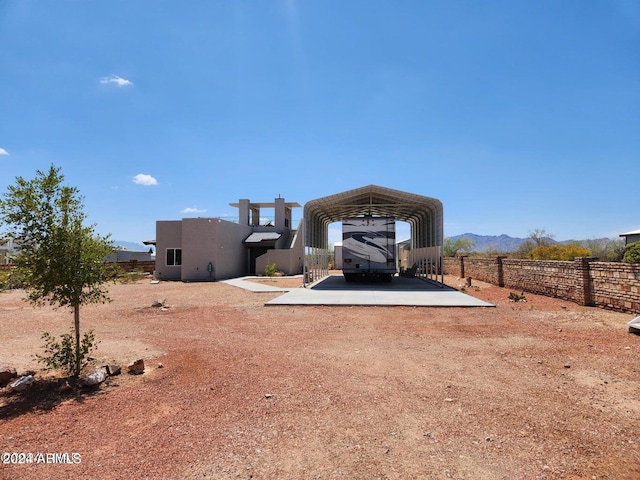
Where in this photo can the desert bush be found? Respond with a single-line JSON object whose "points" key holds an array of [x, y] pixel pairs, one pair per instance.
{"points": [[63, 354], [514, 297], [539, 237], [524, 250], [606, 249], [632, 253], [490, 252], [10, 279], [559, 252], [123, 276], [270, 270]]}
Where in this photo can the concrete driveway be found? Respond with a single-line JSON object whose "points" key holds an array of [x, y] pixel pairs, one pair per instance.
{"points": [[334, 290]]}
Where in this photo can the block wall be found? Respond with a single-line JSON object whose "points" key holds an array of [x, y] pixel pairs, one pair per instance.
{"points": [[550, 278], [147, 266], [452, 266], [483, 269], [615, 286]]}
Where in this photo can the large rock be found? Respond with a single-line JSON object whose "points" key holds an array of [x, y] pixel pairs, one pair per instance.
{"points": [[7, 374], [95, 378], [22, 384], [137, 367], [113, 370]]}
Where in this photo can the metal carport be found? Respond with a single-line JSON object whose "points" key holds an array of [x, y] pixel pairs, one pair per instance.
{"points": [[424, 215]]}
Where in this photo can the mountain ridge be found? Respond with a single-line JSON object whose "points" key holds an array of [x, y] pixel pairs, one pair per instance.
{"points": [[504, 243]]}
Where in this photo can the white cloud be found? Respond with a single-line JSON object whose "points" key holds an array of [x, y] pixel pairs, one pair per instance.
{"points": [[3, 152], [116, 80], [192, 210], [144, 179]]}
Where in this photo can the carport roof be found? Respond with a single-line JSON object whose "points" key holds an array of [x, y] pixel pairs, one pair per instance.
{"points": [[425, 214], [380, 201]]}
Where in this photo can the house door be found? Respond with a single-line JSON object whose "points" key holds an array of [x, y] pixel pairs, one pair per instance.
{"points": [[255, 252]]}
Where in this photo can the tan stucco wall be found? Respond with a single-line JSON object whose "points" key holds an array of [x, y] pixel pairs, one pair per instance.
{"points": [[231, 256], [198, 248], [213, 240], [168, 235], [287, 260], [218, 241], [632, 239]]}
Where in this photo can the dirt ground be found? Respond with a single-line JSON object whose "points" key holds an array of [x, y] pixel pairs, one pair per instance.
{"points": [[542, 389]]}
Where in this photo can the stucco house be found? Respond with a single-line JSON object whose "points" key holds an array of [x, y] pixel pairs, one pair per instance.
{"points": [[8, 247], [208, 249], [123, 254], [631, 237]]}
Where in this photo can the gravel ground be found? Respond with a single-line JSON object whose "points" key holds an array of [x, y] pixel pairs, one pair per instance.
{"points": [[541, 389]]}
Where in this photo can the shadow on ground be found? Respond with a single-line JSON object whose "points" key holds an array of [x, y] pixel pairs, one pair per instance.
{"points": [[398, 284], [42, 396]]}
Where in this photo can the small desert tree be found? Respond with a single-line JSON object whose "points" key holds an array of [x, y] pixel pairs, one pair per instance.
{"points": [[537, 238], [452, 247], [606, 249], [61, 260], [540, 237]]}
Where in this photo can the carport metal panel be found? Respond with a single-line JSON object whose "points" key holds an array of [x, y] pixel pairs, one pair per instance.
{"points": [[424, 215]]}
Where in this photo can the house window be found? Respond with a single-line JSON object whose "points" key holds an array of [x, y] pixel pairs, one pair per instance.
{"points": [[174, 257]]}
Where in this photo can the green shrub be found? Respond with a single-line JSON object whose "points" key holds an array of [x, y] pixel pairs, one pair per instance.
{"points": [[452, 248], [559, 252], [514, 297], [606, 249], [62, 355], [632, 253], [270, 270], [129, 277], [10, 279]]}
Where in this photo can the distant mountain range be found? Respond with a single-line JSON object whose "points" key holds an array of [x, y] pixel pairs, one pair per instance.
{"points": [[502, 243]]}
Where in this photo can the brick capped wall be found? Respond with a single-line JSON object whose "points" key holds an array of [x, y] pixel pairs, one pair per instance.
{"points": [[147, 266], [615, 286], [483, 269], [452, 266], [550, 278]]}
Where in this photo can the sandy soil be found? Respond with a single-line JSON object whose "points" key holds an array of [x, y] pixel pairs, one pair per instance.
{"points": [[543, 389]]}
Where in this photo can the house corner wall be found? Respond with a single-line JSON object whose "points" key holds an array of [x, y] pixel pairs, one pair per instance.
{"points": [[231, 256], [198, 249], [288, 260], [215, 241], [168, 235]]}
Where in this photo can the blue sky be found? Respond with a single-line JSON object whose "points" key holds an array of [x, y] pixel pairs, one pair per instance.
{"points": [[517, 115]]}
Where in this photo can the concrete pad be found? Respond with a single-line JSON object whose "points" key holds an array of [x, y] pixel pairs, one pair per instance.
{"points": [[334, 290], [243, 282]]}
